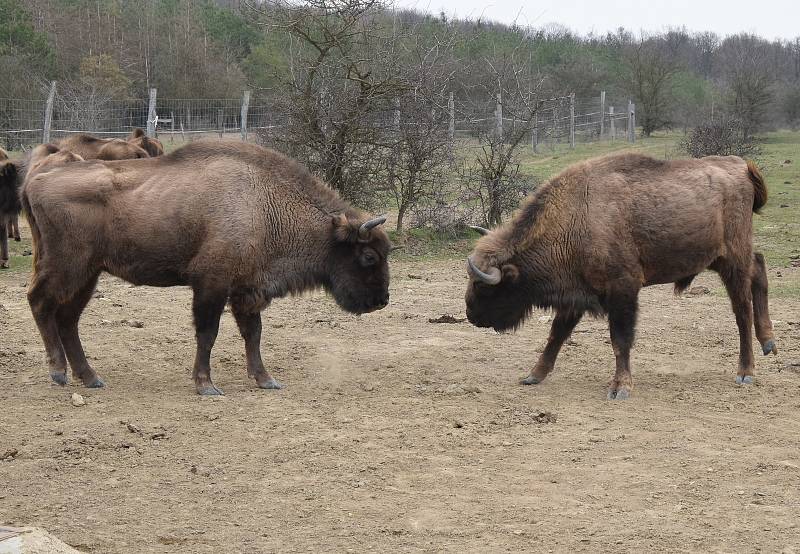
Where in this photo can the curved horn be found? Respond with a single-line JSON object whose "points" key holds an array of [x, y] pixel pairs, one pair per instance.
{"points": [[365, 228], [492, 278], [480, 230]]}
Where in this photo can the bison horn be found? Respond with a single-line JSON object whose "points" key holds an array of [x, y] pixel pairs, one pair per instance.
{"points": [[367, 226], [492, 278], [481, 230]]}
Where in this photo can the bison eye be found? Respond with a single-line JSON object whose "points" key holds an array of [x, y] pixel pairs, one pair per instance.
{"points": [[368, 258]]}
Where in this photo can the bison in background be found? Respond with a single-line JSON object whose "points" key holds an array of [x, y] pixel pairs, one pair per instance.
{"points": [[93, 148], [9, 205], [236, 222], [152, 146], [589, 239]]}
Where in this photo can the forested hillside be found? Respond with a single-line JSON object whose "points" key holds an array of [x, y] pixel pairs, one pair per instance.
{"points": [[214, 49]]}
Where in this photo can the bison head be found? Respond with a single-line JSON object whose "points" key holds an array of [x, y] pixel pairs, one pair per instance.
{"points": [[46, 156], [358, 274], [495, 294]]}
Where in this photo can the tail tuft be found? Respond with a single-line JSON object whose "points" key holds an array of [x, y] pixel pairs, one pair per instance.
{"points": [[759, 187]]}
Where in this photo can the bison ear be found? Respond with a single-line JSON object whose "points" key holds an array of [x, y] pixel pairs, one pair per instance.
{"points": [[8, 170], [510, 273]]}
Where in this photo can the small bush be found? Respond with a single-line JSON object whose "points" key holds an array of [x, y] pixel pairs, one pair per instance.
{"points": [[719, 138]]}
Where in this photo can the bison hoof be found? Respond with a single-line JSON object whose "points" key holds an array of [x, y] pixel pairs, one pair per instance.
{"points": [[4, 265], [59, 377], [531, 380], [95, 383], [621, 394], [270, 383], [744, 379], [209, 390], [17, 239], [769, 346]]}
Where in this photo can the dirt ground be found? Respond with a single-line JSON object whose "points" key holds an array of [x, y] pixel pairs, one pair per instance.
{"points": [[397, 434]]}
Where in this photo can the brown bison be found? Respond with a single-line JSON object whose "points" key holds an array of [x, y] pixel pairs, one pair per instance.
{"points": [[236, 222], [589, 239], [8, 219], [152, 146], [93, 148]]}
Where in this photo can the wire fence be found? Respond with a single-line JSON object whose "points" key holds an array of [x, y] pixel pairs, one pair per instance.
{"points": [[24, 123]]}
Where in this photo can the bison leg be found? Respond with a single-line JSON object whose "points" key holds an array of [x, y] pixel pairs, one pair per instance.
{"points": [[563, 324], [759, 290], [623, 305], [250, 327], [207, 307], [3, 250], [738, 284], [44, 306], [14, 229], [67, 317]]}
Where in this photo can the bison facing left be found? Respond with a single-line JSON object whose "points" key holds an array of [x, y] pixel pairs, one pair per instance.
{"points": [[236, 222], [589, 239]]}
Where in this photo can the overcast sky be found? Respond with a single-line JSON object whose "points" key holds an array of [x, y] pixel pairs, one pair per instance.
{"points": [[768, 18]]}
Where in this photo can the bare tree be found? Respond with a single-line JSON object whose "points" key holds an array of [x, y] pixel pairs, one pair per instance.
{"points": [[649, 67], [749, 78]]}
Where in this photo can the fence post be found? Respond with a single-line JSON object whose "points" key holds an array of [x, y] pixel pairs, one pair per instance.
{"points": [[572, 120], [612, 122], [631, 121], [535, 133], [245, 107], [48, 113], [602, 113], [498, 116], [220, 121], [172, 126], [553, 135], [151, 114], [451, 129]]}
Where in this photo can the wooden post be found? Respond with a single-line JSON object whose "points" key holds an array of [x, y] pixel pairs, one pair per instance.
{"points": [[572, 120], [48, 113], [553, 135], [612, 122], [498, 116], [602, 113], [188, 118], [245, 107], [172, 126], [151, 114], [220, 121], [183, 134], [396, 116], [451, 129], [535, 132], [631, 121]]}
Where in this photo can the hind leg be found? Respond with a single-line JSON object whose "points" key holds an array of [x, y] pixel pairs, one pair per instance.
{"points": [[759, 289], [67, 317], [14, 229], [3, 250], [736, 278], [44, 305]]}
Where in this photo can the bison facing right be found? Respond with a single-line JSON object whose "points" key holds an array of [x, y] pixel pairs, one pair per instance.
{"points": [[236, 222], [589, 239]]}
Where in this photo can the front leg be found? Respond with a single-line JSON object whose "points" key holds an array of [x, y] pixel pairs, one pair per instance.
{"points": [[250, 328], [207, 307], [623, 306], [563, 324]]}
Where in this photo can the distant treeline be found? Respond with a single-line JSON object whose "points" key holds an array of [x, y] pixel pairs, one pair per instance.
{"points": [[215, 49]]}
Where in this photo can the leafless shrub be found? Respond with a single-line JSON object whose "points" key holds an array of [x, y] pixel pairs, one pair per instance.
{"points": [[720, 138]]}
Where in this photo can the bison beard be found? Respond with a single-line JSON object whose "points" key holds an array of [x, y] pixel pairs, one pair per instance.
{"points": [[592, 237], [236, 222]]}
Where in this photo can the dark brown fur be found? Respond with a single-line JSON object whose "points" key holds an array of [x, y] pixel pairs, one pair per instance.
{"points": [[93, 148], [152, 146], [234, 221], [590, 238]]}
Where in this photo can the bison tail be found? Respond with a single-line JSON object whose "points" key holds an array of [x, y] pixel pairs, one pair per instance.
{"points": [[35, 233], [759, 187]]}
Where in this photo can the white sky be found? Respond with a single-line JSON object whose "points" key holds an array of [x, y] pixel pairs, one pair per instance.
{"points": [[769, 18]]}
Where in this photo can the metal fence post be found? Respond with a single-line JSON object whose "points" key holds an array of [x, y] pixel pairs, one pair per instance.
{"points": [[612, 122], [151, 114], [48, 113], [631, 121], [245, 107], [602, 113], [572, 120]]}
